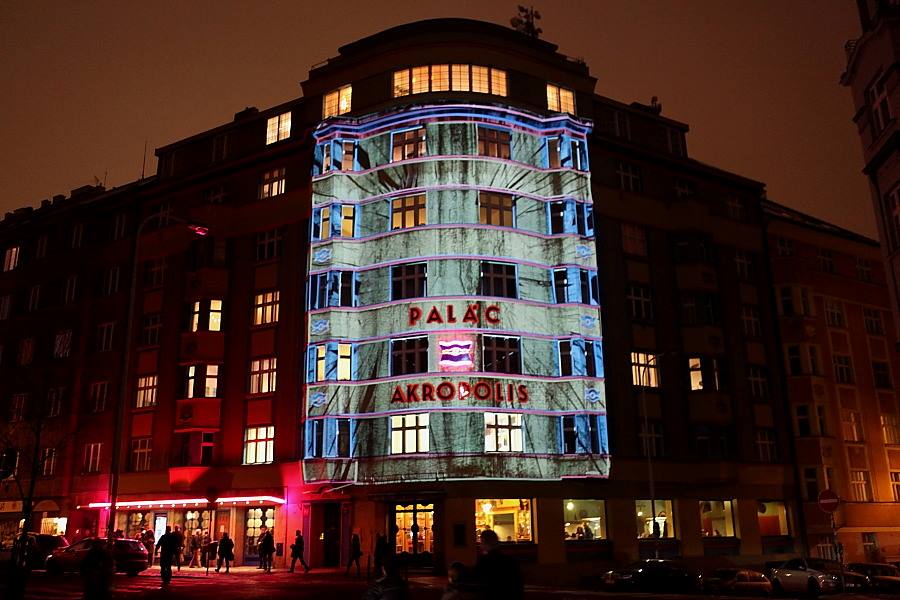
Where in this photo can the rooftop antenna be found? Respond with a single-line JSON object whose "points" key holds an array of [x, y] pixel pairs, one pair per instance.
{"points": [[524, 22]]}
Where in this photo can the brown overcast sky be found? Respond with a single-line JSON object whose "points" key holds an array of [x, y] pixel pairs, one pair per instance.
{"points": [[86, 83]]}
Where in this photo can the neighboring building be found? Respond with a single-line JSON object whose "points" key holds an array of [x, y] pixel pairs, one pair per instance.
{"points": [[838, 346], [872, 76], [394, 324]]}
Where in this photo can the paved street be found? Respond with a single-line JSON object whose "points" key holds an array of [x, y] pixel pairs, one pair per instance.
{"points": [[248, 582]]}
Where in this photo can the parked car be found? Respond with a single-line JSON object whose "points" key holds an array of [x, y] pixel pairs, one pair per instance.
{"points": [[39, 547], [130, 556], [815, 576], [737, 581], [654, 574], [882, 576]]}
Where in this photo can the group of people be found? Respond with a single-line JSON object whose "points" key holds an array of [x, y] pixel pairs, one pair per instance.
{"points": [[494, 575]]}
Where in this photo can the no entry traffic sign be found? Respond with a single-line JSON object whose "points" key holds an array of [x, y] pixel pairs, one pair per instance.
{"points": [[828, 501]]}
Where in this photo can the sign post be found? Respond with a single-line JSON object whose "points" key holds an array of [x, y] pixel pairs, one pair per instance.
{"points": [[829, 502]]}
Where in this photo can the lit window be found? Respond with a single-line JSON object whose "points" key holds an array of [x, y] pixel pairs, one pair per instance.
{"points": [[584, 520], [11, 258], [272, 183], [851, 425], [263, 375], [716, 518], [337, 102], [502, 432], [265, 307], [420, 80], [644, 370], [259, 445], [560, 99], [201, 381], [91, 458], [345, 362], [460, 78], [441, 78], [206, 315], [408, 144], [321, 359], [860, 485], [703, 373], [278, 128], [146, 391], [496, 209], [480, 80], [141, 452], [409, 434], [655, 518], [772, 518], [509, 518], [321, 223], [348, 220], [408, 212], [890, 427], [895, 485], [493, 142], [215, 315]]}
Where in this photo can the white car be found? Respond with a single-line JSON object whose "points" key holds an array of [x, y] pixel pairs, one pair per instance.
{"points": [[814, 576]]}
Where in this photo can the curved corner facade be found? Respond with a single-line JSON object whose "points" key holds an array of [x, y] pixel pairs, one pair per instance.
{"points": [[454, 329]]}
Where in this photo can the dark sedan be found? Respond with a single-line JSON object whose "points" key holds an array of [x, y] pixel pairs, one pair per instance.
{"points": [[38, 547], [130, 556], [654, 575], [737, 581], [882, 577]]}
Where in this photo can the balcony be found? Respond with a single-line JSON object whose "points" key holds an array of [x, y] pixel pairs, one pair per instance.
{"points": [[193, 414], [202, 346]]}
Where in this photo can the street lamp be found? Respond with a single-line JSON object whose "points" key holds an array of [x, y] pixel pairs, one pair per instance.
{"points": [[115, 466]]}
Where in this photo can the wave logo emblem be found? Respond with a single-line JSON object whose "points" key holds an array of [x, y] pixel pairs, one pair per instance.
{"points": [[317, 399], [320, 326], [588, 321], [322, 255], [592, 395], [456, 354]]}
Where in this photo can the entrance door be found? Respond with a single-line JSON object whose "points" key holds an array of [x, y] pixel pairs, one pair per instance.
{"points": [[414, 540], [331, 534], [256, 519], [223, 516], [160, 520]]}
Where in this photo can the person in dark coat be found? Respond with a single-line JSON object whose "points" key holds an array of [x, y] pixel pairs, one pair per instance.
{"points": [[496, 574], [262, 533], [147, 539], [389, 585], [355, 553], [180, 536], [266, 550], [297, 553], [167, 545], [381, 552], [97, 570], [225, 551]]}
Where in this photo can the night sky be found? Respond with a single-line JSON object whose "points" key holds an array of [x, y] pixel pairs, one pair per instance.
{"points": [[86, 83]]}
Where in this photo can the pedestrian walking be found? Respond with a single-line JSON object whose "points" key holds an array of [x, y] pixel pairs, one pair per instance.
{"points": [[179, 535], [226, 552], [267, 549], [147, 539], [195, 543], [97, 570], [167, 545], [355, 553], [204, 548], [496, 574], [262, 532], [297, 553], [381, 552]]}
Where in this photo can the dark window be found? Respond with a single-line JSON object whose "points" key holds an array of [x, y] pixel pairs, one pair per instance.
{"points": [[495, 209], [711, 442], [151, 325], [640, 302], [553, 159], [409, 355], [268, 245], [207, 445], [334, 288], [882, 372], [590, 293], [589, 358], [343, 437], [565, 357], [409, 281], [408, 212], [560, 285], [498, 279], [557, 217], [570, 435], [493, 142], [501, 354], [408, 144]]}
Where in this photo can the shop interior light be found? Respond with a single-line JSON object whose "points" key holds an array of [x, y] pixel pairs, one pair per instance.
{"points": [[172, 503]]}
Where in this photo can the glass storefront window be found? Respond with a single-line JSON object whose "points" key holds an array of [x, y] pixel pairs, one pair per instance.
{"points": [[509, 518], [584, 519], [654, 519], [54, 525], [194, 520], [415, 528], [257, 518], [137, 523], [716, 518], [772, 518]]}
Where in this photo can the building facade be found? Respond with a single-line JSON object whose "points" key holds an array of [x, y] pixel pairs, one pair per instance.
{"points": [[835, 315], [437, 295]]}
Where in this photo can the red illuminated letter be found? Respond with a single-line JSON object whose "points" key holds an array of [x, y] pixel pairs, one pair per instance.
{"points": [[415, 313], [451, 318], [471, 314], [427, 392], [492, 314], [445, 390], [434, 316], [523, 393], [412, 392], [398, 396]]}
